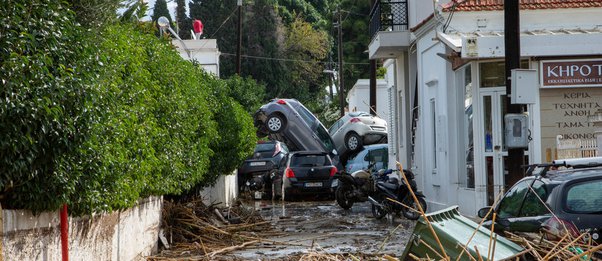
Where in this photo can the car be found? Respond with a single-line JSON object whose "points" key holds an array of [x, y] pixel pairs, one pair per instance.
{"points": [[356, 129], [255, 172], [376, 153], [305, 173], [570, 189], [287, 120]]}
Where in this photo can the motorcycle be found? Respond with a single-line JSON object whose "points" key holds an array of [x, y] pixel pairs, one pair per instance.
{"points": [[354, 187], [391, 197]]}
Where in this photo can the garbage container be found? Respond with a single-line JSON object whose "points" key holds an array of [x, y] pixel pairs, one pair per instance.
{"points": [[454, 231]]}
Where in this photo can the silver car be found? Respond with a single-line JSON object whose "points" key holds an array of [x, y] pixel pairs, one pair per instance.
{"points": [[287, 120], [356, 129]]}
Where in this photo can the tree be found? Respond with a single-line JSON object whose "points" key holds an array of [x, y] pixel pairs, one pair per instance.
{"points": [[96, 13], [183, 23], [160, 9]]}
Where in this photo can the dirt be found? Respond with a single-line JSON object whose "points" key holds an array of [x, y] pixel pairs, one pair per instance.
{"points": [[324, 227]]}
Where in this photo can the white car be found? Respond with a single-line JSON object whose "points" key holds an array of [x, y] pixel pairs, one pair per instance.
{"points": [[356, 129]]}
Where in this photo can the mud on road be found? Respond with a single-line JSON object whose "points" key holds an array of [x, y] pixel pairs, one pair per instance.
{"points": [[324, 227]]}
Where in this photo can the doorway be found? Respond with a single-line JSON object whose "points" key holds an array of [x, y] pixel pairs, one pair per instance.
{"points": [[494, 154]]}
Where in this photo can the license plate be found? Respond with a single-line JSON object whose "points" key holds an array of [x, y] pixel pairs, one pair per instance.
{"points": [[258, 163], [335, 183], [313, 184]]}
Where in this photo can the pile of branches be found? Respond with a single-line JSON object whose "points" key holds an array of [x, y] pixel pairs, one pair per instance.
{"points": [[196, 231], [565, 248]]}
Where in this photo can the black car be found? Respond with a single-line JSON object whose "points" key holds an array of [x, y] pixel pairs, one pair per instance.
{"points": [[571, 189], [287, 120], [305, 173], [254, 173]]}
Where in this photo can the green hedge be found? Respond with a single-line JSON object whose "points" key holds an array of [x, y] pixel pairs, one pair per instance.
{"points": [[98, 120]]}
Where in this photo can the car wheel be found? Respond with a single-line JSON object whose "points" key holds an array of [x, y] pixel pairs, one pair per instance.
{"points": [[275, 123], [341, 197], [409, 213], [353, 142]]}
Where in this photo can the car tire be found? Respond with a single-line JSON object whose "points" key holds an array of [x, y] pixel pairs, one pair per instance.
{"points": [[341, 197], [378, 212], [353, 142], [275, 123]]}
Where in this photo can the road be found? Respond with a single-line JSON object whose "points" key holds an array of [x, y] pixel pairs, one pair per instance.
{"points": [[323, 227]]}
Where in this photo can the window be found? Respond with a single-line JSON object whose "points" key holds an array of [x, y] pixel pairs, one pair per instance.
{"points": [[464, 82], [337, 125], [510, 204], [534, 202], [585, 197], [305, 114], [310, 161], [324, 138], [493, 74]]}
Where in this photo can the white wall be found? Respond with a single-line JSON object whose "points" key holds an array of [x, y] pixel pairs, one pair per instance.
{"points": [[204, 51], [223, 192], [359, 97], [130, 234]]}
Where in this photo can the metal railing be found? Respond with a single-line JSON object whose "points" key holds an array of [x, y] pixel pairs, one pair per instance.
{"points": [[389, 15]]}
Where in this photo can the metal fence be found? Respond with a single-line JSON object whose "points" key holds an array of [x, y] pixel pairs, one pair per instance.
{"points": [[389, 16], [576, 148]]}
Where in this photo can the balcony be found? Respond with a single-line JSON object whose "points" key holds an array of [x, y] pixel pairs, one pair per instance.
{"points": [[389, 29]]}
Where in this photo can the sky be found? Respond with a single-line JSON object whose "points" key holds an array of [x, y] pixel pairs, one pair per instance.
{"points": [[171, 5]]}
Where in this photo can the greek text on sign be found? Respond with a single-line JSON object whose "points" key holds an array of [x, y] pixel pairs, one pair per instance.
{"points": [[571, 73]]}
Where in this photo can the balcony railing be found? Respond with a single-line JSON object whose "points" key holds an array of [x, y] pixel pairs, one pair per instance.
{"points": [[389, 16]]}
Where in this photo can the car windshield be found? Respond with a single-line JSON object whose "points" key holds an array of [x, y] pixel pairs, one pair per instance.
{"points": [[309, 161], [585, 197]]}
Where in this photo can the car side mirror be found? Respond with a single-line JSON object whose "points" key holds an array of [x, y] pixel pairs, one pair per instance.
{"points": [[482, 213], [334, 152]]}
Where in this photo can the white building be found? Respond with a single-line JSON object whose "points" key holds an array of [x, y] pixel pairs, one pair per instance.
{"points": [[358, 97], [204, 51], [450, 80]]}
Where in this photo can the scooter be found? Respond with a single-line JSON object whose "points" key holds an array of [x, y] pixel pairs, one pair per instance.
{"points": [[391, 197], [354, 187]]}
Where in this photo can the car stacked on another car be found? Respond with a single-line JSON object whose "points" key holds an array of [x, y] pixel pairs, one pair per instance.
{"points": [[356, 129], [287, 120], [254, 175], [304, 173], [574, 195]]}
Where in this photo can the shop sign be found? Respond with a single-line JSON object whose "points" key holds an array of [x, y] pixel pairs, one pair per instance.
{"points": [[571, 73]]}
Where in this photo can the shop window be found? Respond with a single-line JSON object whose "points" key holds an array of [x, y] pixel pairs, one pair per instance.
{"points": [[493, 74]]}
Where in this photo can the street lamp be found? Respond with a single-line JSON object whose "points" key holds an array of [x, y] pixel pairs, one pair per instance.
{"points": [[163, 23]]}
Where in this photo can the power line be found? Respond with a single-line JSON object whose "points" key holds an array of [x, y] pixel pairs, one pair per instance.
{"points": [[287, 60]]}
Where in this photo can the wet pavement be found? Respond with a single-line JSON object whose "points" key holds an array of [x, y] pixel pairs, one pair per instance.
{"points": [[324, 227]]}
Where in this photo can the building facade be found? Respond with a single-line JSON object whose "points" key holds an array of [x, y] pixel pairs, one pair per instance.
{"points": [[450, 80]]}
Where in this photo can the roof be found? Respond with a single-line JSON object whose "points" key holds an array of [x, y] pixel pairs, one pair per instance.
{"points": [[495, 5]]}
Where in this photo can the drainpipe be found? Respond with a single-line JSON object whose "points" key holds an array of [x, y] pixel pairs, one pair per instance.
{"points": [[64, 234], [596, 119]]}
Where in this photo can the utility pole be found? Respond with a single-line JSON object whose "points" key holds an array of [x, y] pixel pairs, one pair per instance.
{"points": [[238, 48], [512, 45], [341, 71], [372, 77]]}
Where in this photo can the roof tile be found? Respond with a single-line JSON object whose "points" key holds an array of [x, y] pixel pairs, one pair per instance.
{"points": [[493, 5]]}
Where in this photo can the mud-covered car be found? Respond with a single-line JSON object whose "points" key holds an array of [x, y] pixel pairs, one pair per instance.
{"points": [[254, 174], [287, 120], [570, 189]]}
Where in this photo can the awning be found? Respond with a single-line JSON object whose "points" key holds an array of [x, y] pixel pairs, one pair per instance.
{"points": [[532, 43]]}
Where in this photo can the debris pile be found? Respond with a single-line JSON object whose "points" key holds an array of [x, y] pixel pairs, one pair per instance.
{"points": [[565, 248], [195, 231]]}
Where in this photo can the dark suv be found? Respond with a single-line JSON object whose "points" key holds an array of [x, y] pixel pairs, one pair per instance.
{"points": [[287, 120], [571, 189], [254, 173]]}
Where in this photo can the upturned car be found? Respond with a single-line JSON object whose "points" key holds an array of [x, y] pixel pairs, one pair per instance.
{"points": [[287, 120], [356, 129]]}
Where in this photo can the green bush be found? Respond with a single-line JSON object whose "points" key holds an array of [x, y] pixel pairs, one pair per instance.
{"points": [[99, 120], [42, 97]]}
